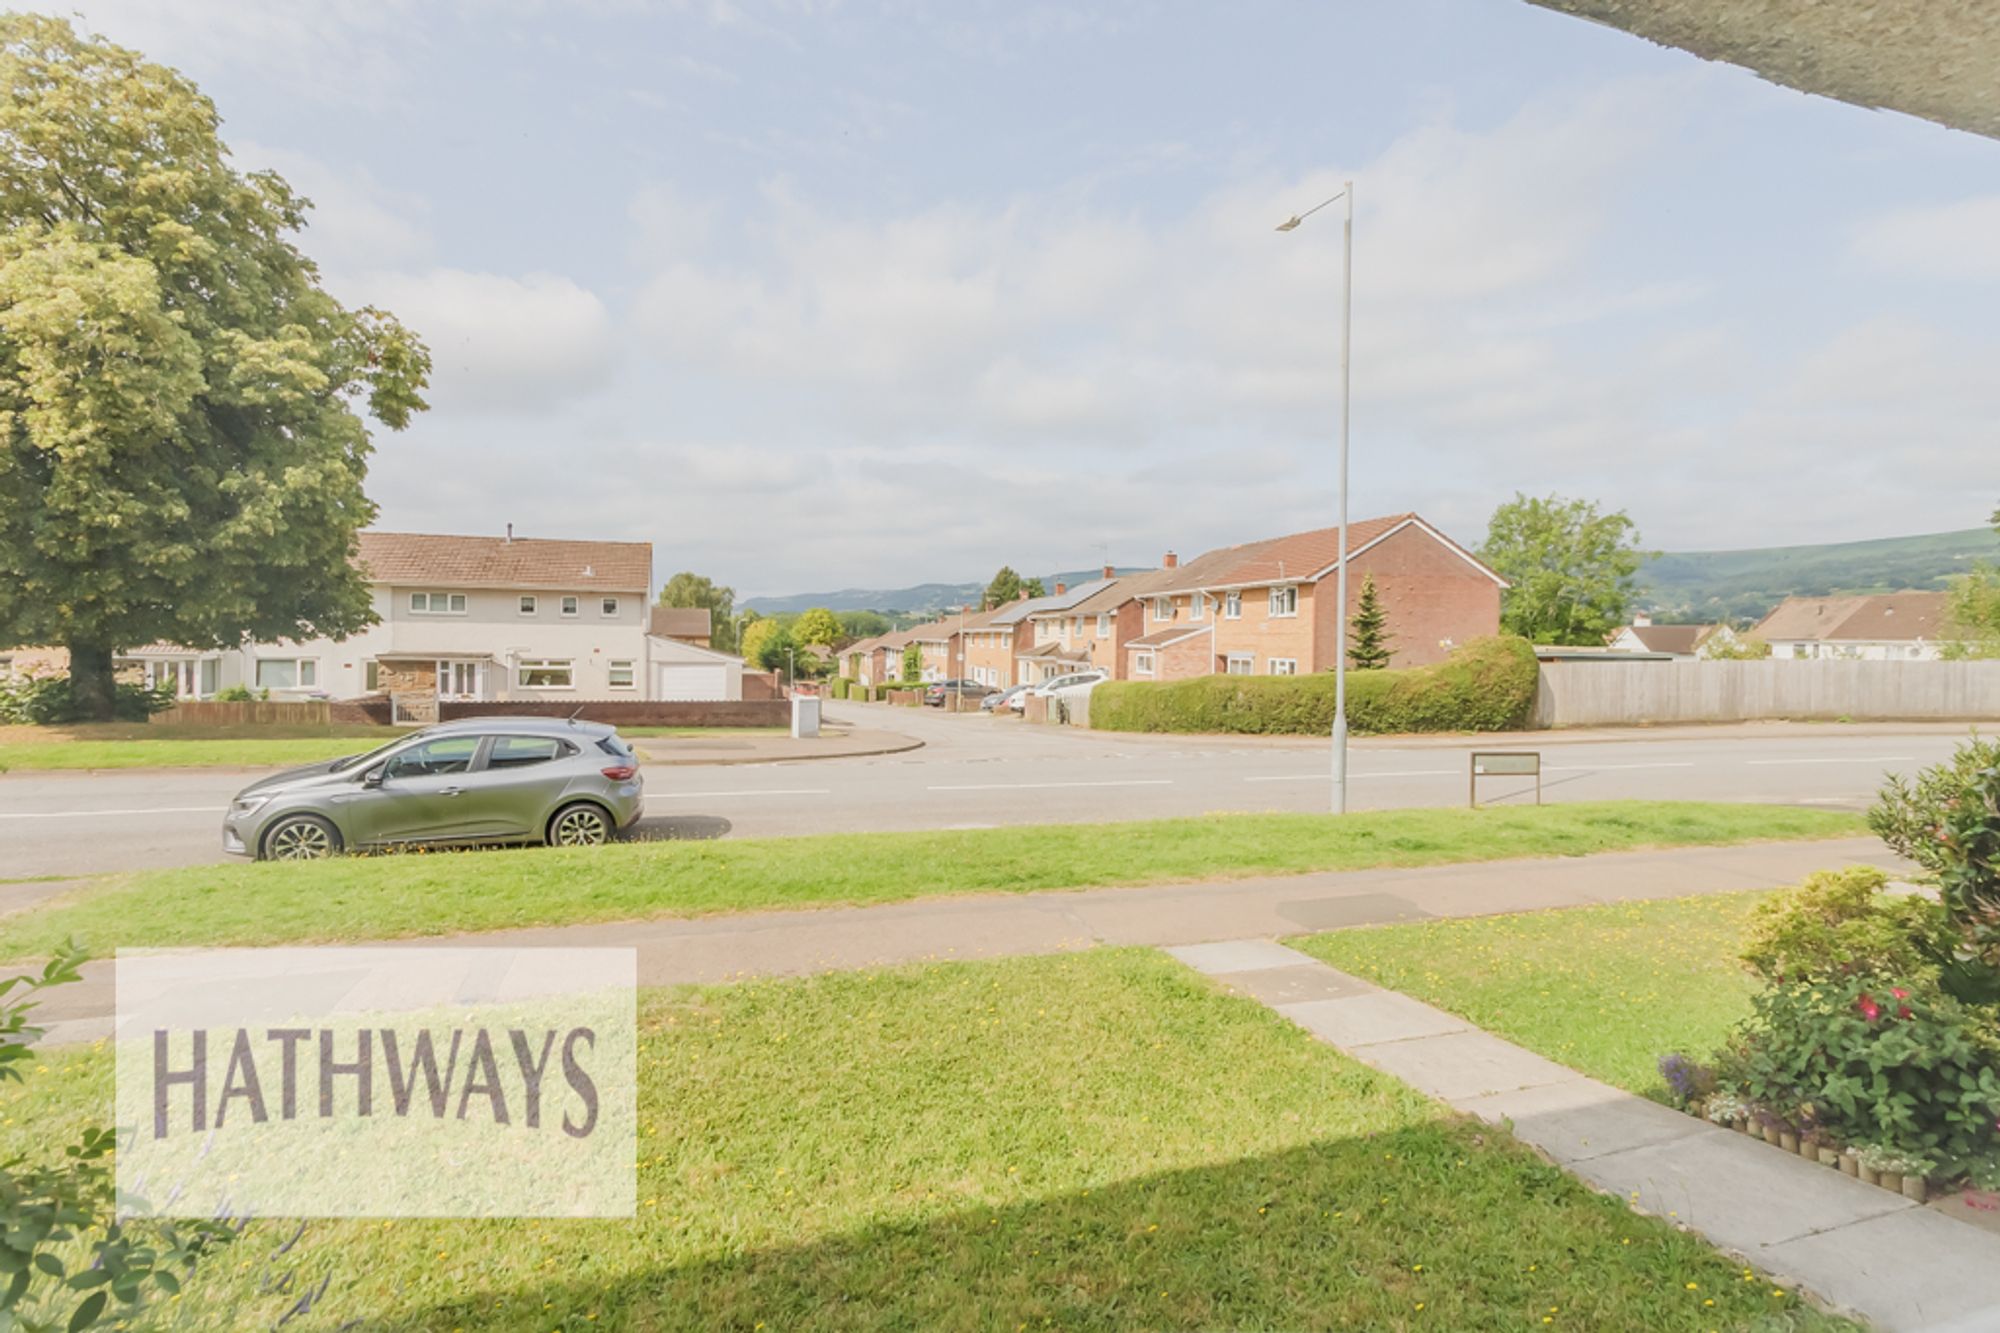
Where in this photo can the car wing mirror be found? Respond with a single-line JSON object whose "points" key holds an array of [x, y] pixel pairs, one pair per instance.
{"points": [[374, 777]]}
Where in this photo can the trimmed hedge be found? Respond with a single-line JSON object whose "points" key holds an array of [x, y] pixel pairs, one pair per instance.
{"points": [[1488, 685]]}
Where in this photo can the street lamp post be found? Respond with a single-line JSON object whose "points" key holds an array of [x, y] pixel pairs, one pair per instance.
{"points": [[1340, 563]]}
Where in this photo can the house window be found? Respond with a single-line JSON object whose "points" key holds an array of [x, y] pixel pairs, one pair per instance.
{"points": [[1142, 664], [437, 603], [1198, 607], [528, 605], [1284, 666], [1104, 625], [622, 676], [569, 605], [547, 673], [1163, 608], [287, 673], [371, 676], [1241, 664], [608, 607], [1284, 601], [1232, 606]]}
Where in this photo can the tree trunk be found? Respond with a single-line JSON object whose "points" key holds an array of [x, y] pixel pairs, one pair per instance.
{"points": [[91, 683]]}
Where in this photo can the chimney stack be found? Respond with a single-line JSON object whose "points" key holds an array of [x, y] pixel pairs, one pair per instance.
{"points": [[1170, 561], [510, 534], [1060, 590], [1641, 619], [1110, 573]]}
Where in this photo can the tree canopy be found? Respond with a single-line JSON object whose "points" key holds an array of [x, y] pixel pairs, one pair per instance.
{"points": [[1975, 609], [818, 627], [182, 443], [1004, 588], [1368, 644], [698, 591], [1570, 565]]}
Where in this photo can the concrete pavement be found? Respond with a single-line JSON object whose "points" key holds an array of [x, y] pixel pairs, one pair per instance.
{"points": [[1901, 1266], [976, 771], [794, 943]]}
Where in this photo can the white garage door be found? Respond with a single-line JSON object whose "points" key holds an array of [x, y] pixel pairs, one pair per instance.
{"points": [[693, 681]]}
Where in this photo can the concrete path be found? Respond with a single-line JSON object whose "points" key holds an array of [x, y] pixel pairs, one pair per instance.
{"points": [[831, 743], [793, 943], [1899, 1265]]}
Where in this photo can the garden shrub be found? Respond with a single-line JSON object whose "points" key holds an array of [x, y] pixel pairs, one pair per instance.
{"points": [[47, 701], [1841, 923], [1948, 822], [239, 694], [1488, 685], [1906, 1068]]}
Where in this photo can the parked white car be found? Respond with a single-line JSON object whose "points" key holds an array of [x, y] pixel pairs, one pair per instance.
{"points": [[1070, 687]]}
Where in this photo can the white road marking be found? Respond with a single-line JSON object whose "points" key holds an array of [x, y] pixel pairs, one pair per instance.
{"points": [[79, 814], [706, 795], [1018, 786], [1858, 759], [1605, 768], [1328, 776]]}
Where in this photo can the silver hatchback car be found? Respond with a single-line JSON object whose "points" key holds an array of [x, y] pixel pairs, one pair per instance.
{"points": [[480, 780]]}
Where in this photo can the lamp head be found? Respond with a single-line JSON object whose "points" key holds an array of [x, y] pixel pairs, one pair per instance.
{"points": [[1291, 222]]}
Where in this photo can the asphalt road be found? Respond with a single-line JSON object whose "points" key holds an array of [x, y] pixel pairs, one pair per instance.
{"points": [[976, 772]]}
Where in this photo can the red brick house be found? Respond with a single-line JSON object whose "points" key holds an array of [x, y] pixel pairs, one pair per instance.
{"points": [[1265, 607]]}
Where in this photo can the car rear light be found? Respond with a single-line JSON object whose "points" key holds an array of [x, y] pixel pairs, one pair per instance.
{"points": [[620, 772]]}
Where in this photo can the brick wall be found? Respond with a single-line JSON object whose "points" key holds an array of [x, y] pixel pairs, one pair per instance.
{"points": [[634, 712], [1429, 594], [760, 685]]}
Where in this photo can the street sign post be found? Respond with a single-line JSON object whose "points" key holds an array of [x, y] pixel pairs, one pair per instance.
{"points": [[1503, 764]]}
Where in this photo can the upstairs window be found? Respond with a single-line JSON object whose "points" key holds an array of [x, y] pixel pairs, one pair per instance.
{"points": [[569, 606], [437, 603], [1198, 607], [528, 606], [1232, 606], [1284, 601], [608, 607]]}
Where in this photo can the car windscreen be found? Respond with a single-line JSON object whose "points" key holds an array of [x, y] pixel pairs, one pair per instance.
{"points": [[356, 760]]}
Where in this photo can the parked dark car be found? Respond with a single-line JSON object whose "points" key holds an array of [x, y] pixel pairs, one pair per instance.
{"points": [[936, 692], [1003, 701]]}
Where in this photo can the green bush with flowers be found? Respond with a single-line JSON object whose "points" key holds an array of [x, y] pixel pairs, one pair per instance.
{"points": [[1878, 1027]]}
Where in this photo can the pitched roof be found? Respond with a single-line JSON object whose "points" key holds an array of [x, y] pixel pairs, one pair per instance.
{"points": [[681, 622], [1669, 638], [1896, 617], [1171, 634], [404, 559], [1300, 557], [1069, 600], [1805, 618]]}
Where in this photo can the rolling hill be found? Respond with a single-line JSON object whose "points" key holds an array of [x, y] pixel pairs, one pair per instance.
{"points": [[919, 598]]}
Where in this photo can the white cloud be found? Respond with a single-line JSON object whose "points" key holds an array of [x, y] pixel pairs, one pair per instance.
{"points": [[501, 343], [1955, 241]]}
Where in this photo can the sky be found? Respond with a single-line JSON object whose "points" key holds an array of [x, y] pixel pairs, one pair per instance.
{"points": [[822, 295]]}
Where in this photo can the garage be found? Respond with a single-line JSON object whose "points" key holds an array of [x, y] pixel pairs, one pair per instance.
{"points": [[686, 672]]}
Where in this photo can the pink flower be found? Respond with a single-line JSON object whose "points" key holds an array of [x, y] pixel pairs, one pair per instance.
{"points": [[1899, 992], [1869, 1009]]}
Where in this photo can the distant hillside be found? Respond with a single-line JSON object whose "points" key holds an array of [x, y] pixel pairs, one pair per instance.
{"points": [[923, 597], [1744, 585]]}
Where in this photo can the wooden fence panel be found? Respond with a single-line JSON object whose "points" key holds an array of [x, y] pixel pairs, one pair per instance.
{"points": [[1593, 694]]}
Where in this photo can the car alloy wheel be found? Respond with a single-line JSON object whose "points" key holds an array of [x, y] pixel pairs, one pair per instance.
{"points": [[580, 826], [300, 840]]}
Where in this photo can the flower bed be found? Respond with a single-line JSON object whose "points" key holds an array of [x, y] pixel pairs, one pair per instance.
{"points": [[1874, 1045]]}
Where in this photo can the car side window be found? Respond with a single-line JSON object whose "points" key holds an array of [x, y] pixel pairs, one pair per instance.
{"points": [[522, 751], [446, 754]]}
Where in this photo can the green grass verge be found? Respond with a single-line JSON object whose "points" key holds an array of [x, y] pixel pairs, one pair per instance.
{"points": [[1091, 1141], [264, 753], [382, 897], [1604, 990]]}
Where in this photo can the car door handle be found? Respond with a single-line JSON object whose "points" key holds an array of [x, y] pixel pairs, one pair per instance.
{"points": [[451, 791]]}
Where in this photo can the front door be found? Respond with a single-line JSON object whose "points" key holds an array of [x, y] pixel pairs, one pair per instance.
{"points": [[460, 679]]}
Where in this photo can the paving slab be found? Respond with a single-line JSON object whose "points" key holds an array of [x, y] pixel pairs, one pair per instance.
{"points": [[1910, 1270], [1368, 1016], [1573, 1122], [1740, 1192], [1238, 956], [1461, 1066], [1283, 986]]}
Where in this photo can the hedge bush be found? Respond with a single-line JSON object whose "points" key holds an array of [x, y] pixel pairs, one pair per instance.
{"points": [[1488, 685]]}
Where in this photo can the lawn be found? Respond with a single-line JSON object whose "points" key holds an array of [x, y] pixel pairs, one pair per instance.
{"points": [[381, 897], [1605, 990], [139, 745], [1096, 1140]]}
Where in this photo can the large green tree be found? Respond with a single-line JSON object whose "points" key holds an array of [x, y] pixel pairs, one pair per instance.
{"points": [[818, 628], [697, 590], [1570, 564], [1004, 588], [182, 442]]}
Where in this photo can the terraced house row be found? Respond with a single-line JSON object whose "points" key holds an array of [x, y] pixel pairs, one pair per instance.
{"points": [[1261, 608]]}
